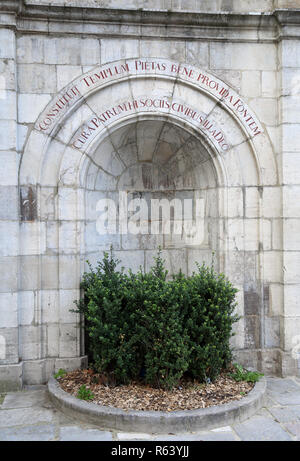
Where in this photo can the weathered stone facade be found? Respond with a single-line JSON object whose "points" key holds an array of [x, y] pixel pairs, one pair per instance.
{"points": [[162, 99]]}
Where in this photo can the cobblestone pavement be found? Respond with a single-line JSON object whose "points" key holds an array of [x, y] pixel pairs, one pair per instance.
{"points": [[29, 415]]}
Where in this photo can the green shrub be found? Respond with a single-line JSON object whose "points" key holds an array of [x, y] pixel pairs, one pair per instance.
{"points": [[84, 393], [241, 374], [144, 325], [60, 374]]}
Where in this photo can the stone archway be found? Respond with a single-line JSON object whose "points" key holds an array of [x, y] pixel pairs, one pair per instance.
{"points": [[148, 126]]}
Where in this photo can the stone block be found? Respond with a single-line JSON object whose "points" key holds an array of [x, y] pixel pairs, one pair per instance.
{"points": [[8, 106], [235, 202], [8, 129], [251, 83], [69, 279], [9, 310], [38, 372], [291, 234], [252, 332], [69, 345], [10, 377], [30, 339], [162, 49], [289, 108], [7, 72], [37, 78], [291, 266], [267, 235], [242, 56], [252, 201], [49, 272], [291, 167], [276, 234], [29, 272], [95, 241], [269, 84], [251, 233], [291, 137], [27, 303], [197, 54], [66, 304], [69, 236], [292, 301], [252, 301], [9, 346], [290, 202], [9, 231], [33, 238], [22, 131], [291, 336], [7, 43], [52, 236], [67, 73], [235, 232], [30, 106], [8, 274], [174, 260], [9, 163], [273, 270], [9, 203], [30, 49], [68, 204], [290, 52], [266, 110], [272, 332], [276, 305], [272, 202], [235, 267], [90, 51], [50, 306], [53, 340], [62, 50]]}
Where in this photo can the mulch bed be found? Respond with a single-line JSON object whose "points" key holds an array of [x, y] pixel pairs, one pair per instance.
{"points": [[190, 395]]}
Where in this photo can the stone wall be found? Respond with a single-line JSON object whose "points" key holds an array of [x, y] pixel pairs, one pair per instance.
{"points": [[165, 70]]}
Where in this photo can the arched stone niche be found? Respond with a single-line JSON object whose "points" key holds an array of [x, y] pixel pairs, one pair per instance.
{"points": [[153, 129]]}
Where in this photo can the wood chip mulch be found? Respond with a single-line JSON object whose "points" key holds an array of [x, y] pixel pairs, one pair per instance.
{"points": [[189, 395]]}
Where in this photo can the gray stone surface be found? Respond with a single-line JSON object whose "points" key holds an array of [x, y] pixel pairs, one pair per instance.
{"points": [[76, 433], [41, 433], [58, 69], [34, 418], [24, 399], [261, 428]]}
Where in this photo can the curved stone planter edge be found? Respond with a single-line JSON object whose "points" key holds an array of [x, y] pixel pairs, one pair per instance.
{"points": [[158, 421]]}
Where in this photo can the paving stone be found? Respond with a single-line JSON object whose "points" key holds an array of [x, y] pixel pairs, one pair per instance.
{"points": [[24, 399], [133, 436], [23, 416], [28, 433], [279, 385], [76, 433], [286, 414], [205, 436], [260, 428], [294, 428], [269, 402], [289, 398], [222, 429]]}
